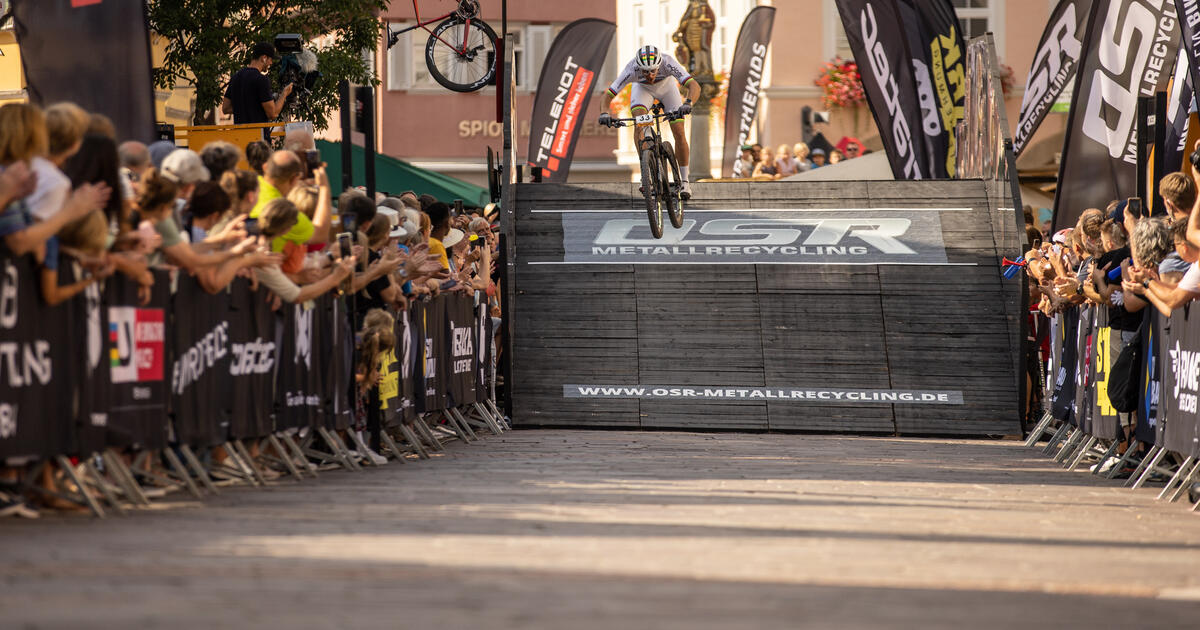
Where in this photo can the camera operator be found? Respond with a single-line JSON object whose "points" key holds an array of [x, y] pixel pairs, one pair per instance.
{"points": [[248, 98]]}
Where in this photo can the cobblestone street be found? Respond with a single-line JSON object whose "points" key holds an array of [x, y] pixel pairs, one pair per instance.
{"points": [[579, 529]]}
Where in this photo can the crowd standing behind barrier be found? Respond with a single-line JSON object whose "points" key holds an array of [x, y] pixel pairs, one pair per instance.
{"points": [[170, 322], [1119, 337]]}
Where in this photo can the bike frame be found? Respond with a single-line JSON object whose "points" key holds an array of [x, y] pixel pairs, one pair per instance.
{"points": [[425, 26]]}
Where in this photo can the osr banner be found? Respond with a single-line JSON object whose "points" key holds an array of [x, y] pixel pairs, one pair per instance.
{"points": [[886, 65], [1053, 67], [745, 85], [564, 91], [1128, 52], [940, 72], [102, 44]]}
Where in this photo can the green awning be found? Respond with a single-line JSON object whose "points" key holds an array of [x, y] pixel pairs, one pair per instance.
{"points": [[396, 176]]}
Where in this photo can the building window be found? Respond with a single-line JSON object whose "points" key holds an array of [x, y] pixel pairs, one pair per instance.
{"points": [[399, 59]]}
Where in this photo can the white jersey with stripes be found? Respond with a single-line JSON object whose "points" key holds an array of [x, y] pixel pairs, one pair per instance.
{"points": [[669, 68]]}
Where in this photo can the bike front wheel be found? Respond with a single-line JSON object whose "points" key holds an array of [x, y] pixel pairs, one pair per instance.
{"points": [[671, 183], [651, 178], [461, 56]]}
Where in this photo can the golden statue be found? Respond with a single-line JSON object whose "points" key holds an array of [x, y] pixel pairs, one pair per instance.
{"points": [[694, 38]]}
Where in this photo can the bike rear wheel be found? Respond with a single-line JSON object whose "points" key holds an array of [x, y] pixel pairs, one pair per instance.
{"points": [[651, 179], [671, 182], [461, 56]]}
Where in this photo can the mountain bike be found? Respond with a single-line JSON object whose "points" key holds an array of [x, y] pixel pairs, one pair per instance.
{"points": [[461, 51], [660, 172]]}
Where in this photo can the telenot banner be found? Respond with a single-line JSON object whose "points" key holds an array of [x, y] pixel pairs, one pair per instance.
{"points": [[101, 44], [745, 85], [885, 63], [940, 72], [564, 91], [1053, 67], [1128, 51]]}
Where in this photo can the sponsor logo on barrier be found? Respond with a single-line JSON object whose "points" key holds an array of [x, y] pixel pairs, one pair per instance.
{"points": [[195, 361], [304, 333], [1185, 365], [256, 357], [1133, 53], [753, 237], [8, 420], [463, 346], [779, 394], [138, 338]]}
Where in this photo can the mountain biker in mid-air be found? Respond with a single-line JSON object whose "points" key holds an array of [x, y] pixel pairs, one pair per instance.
{"points": [[657, 76]]}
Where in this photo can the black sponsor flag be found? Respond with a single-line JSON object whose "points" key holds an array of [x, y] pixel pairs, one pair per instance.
{"points": [[1054, 66], [564, 91], [1189, 25], [940, 72], [1128, 51], [745, 85], [1179, 107], [885, 63], [95, 53]]}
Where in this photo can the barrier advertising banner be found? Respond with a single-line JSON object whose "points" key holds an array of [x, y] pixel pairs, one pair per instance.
{"points": [[299, 391], [1053, 68], [137, 348], [564, 91], [940, 72], [200, 374], [1099, 161], [886, 65], [102, 44], [1180, 354], [33, 416], [1151, 377], [460, 325], [745, 85], [253, 347], [431, 318]]}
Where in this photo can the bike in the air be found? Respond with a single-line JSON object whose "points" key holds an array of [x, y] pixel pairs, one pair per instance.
{"points": [[661, 182], [461, 51]]}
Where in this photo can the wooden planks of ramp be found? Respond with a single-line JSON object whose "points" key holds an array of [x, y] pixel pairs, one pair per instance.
{"points": [[779, 306]]}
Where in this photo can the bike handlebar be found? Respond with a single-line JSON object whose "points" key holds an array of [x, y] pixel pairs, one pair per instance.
{"points": [[625, 122]]}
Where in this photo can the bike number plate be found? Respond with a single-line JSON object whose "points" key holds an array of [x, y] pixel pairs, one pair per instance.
{"points": [[645, 120]]}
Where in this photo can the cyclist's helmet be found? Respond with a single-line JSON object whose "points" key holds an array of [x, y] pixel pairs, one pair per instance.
{"points": [[648, 60]]}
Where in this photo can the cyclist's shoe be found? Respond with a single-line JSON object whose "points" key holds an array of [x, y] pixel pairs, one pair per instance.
{"points": [[685, 190]]}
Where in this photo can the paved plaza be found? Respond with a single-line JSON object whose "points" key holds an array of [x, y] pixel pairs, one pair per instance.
{"points": [[584, 529]]}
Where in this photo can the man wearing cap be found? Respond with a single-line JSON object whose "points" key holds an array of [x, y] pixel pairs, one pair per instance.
{"points": [[248, 98]]}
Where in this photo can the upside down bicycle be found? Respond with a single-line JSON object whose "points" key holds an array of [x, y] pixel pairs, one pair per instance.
{"points": [[661, 182], [461, 51]]}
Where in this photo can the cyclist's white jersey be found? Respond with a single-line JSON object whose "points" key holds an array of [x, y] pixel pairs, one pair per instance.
{"points": [[670, 69]]}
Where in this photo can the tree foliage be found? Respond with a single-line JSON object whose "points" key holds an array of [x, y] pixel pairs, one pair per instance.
{"points": [[209, 40]]}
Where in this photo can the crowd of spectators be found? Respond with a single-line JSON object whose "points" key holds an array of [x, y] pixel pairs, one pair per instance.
{"points": [[763, 163], [70, 194], [1120, 259]]}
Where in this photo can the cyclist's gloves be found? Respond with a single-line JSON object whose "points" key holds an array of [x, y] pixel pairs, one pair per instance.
{"points": [[606, 119], [685, 109]]}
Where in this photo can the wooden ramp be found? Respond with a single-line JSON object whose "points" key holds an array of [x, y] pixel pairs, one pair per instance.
{"points": [[872, 307]]}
